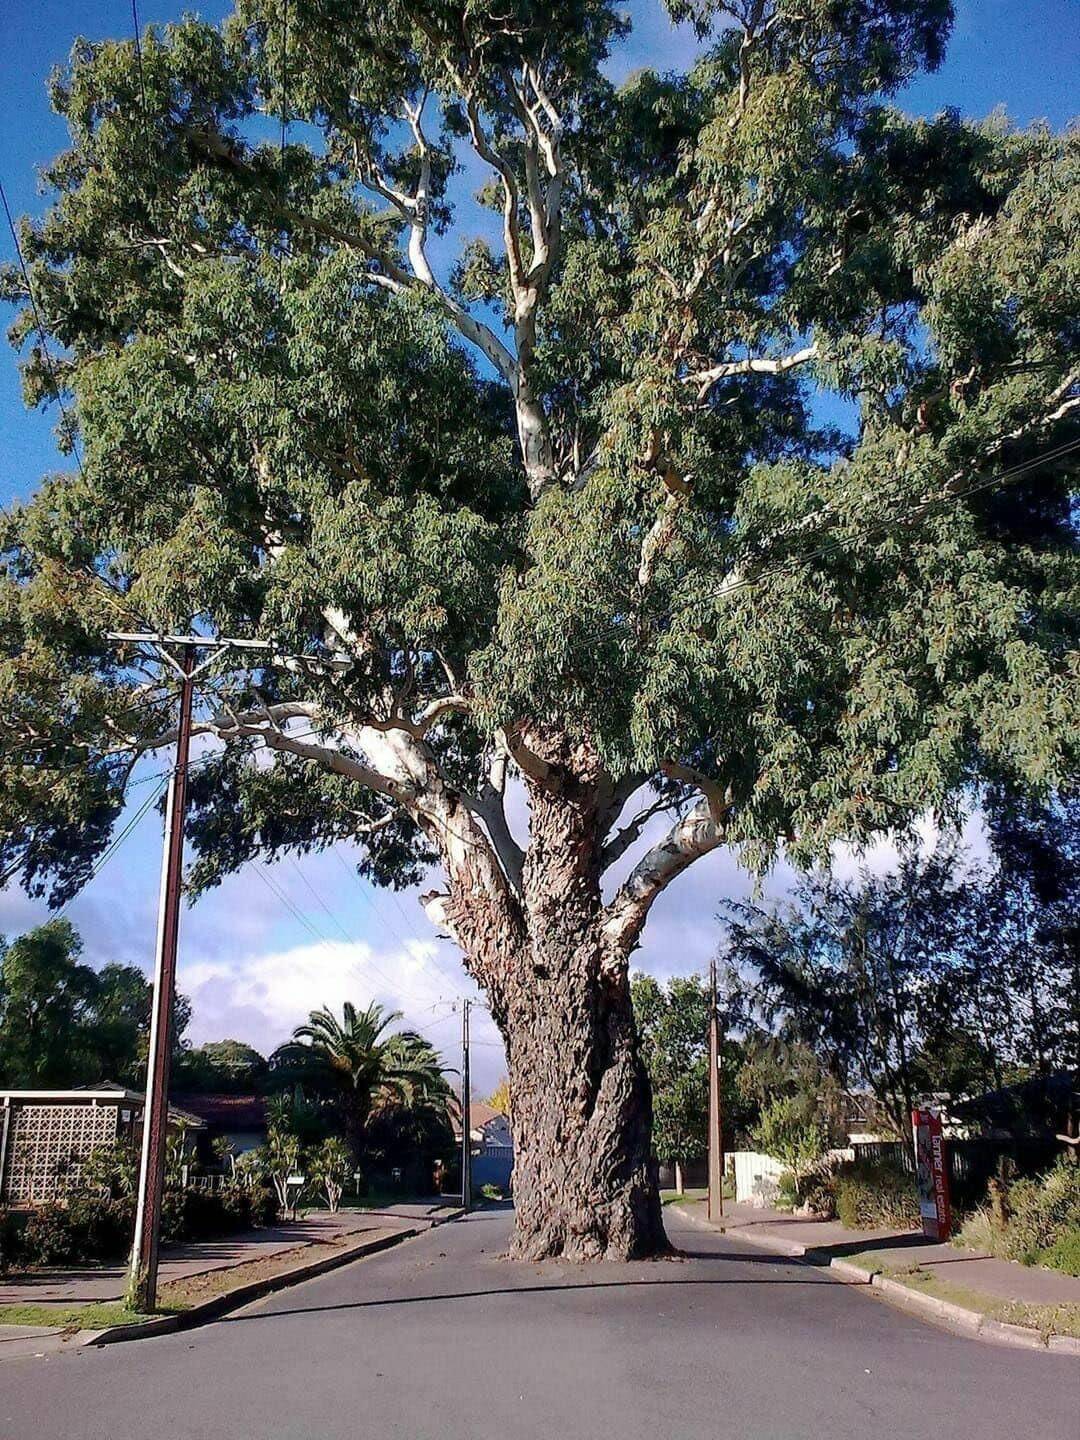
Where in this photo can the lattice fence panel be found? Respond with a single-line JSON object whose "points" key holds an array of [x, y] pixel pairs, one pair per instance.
{"points": [[47, 1145]]}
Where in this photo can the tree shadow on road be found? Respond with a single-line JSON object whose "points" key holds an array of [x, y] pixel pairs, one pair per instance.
{"points": [[806, 1276]]}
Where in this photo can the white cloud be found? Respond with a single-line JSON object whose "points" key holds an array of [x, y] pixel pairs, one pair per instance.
{"points": [[253, 973], [260, 997]]}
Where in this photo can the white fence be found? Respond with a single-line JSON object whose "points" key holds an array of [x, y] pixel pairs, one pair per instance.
{"points": [[755, 1177]]}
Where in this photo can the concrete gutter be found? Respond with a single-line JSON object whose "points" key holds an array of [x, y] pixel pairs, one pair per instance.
{"points": [[957, 1318], [240, 1295]]}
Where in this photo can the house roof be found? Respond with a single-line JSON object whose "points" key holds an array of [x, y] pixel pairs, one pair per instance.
{"points": [[105, 1093], [1040, 1104], [480, 1115], [227, 1112]]}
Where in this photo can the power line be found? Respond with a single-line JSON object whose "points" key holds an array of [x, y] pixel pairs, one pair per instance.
{"points": [[39, 325], [350, 939], [316, 931], [147, 703], [274, 889], [369, 895], [143, 108], [115, 843], [793, 562]]}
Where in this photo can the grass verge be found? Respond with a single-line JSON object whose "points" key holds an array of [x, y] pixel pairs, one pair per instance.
{"points": [[675, 1197], [181, 1294], [1063, 1319], [72, 1317]]}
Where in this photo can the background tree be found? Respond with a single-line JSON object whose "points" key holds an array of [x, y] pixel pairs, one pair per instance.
{"points": [[45, 995], [227, 1067], [361, 1070], [843, 968], [499, 1099], [564, 508], [1028, 927], [64, 1023], [773, 1069], [672, 1022], [941, 975], [117, 1024]]}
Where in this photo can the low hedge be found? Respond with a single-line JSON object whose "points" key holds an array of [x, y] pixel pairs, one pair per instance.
{"points": [[873, 1195], [90, 1229]]}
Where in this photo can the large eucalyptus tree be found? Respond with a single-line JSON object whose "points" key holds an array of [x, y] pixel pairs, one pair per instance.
{"points": [[552, 472]]}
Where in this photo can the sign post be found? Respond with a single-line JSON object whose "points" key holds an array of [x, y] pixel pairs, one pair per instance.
{"points": [[932, 1174]]}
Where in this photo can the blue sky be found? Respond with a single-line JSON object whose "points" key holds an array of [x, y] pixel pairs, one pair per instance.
{"points": [[251, 967]]}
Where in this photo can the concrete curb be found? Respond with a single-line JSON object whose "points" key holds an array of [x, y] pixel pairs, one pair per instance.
{"points": [[241, 1295], [161, 1325], [958, 1318]]}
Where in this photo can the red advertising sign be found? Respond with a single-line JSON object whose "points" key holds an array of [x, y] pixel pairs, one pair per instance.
{"points": [[932, 1174]]}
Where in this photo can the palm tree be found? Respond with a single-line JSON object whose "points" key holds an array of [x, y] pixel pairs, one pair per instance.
{"points": [[361, 1069]]}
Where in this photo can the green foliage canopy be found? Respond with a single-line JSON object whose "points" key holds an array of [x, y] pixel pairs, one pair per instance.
{"points": [[552, 464]]}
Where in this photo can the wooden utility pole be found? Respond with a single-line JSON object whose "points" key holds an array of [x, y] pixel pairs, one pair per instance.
{"points": [[142, 1280], [466, 1127], [716, 1136]]}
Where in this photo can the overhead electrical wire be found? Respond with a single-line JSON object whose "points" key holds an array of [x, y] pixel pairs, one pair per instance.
{"points": [[114, 845], [370, 896]]}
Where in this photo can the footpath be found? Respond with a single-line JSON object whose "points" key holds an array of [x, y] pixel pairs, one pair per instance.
{"points": [[966, 1290], [198, 1281]]}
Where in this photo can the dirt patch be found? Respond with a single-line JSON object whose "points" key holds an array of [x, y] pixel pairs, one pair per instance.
{"points": [[181, 1294]]}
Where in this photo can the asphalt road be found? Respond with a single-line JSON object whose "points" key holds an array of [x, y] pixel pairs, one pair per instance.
{"points": [[440, 1339]]}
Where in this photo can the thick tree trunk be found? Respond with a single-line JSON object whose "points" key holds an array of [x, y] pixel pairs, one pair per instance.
{"points": [[538, 939], [584, 1178]]}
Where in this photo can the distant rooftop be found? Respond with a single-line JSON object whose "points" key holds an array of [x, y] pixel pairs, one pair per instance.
{"points": [[227, 1112]]}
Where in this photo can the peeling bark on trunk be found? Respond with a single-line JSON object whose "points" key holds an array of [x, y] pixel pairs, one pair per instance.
{"points": [[584, 1179]]}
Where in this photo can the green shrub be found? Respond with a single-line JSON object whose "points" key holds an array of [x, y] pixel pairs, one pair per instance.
{"points": [[1043, 1225], [111, 1170], [85, 1230], [1064, 1254], [12, 1225], [329, 1165], [789, 1135], [787, 1186], [875, 1194], [819, 1195], [980, 1231], [95, 1229], [1044, 1211]]}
